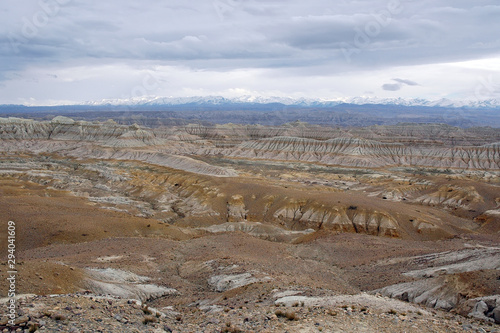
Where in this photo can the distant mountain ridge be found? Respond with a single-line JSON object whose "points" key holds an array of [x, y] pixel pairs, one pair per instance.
{"points": [[300, 102], [273, 111]]}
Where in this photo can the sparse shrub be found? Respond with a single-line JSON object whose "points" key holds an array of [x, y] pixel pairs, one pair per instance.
{"points": [[146, 310], [235, 330], [229, 329], [33, 328], [58, 316], [149, 319], [291, 316]]}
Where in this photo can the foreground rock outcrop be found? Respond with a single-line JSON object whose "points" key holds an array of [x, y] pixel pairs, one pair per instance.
{"points": [[89, 313], [452, 281]]}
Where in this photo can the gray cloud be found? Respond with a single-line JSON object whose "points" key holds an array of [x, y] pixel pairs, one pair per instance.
{"points": [[408, 82], [392, 86], [319, 38], [400, 83]]}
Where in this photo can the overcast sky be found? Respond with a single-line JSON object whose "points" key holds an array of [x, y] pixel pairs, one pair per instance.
{"points": [[71, 51]]}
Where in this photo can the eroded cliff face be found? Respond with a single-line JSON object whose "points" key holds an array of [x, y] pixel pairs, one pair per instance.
{"points": [[287, 200], [194, 200], [370, 154], [66, 129], [342, 219], [104, 141], [343, 150]]}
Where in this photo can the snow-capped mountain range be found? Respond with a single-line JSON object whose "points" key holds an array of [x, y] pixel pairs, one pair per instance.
{"points": [[303, 102]]}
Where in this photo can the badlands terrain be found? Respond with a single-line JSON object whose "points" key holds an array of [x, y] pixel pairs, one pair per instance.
{"points": [[197, 227]]}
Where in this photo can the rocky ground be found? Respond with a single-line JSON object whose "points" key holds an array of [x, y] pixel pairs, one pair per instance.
{"points": [[87, 313], [251, 229]]}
